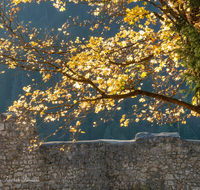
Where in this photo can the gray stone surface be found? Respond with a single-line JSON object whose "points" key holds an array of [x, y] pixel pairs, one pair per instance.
{"points": [[155, 161], [137, 136], [1, 126], [148, 135]]}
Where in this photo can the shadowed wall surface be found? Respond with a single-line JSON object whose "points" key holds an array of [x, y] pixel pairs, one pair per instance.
{"points": [[154, 161]]}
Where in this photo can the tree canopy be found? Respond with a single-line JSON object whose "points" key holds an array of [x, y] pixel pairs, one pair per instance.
{"points": [[99, 72]]}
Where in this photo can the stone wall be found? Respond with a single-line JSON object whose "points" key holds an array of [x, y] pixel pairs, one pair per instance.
{"points": [[150, 161]]}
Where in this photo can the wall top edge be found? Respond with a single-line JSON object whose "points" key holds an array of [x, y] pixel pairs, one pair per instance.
{"points": [[52, 143], [9, 113], [3, 117], [141, 135]]}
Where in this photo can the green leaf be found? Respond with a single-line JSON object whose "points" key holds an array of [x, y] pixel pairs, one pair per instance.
{"points": [[122, 80]]}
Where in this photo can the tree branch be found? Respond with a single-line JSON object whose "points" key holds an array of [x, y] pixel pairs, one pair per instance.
{"points": [[157, 96]]}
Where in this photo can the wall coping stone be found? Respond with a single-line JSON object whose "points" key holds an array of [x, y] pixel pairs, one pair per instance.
{"points": [[140, 135], [163, 134]]}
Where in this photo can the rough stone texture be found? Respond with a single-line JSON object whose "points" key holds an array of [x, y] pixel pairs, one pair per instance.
{"points": [[163, 134], [154, 161]]}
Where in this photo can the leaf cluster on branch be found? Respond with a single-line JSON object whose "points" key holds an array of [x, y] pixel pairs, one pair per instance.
{"points": [[98, 73]]}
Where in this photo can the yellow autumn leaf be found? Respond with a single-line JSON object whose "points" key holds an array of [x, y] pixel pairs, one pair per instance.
{"points": [[62, 9], [33, 43], [183, 122], [1, 25], [73, 130], [144, 74]]}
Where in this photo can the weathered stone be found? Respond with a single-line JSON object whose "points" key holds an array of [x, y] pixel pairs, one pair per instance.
{"points": [[163, 134], [19, 174], [195, 188], [153, 161], [1, 126]]}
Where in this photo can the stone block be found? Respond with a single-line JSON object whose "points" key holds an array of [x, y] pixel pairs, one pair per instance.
{"points": [[171, 183], [1, 126], [19, 174], [169, 177], [163, 134], [1, 184]]}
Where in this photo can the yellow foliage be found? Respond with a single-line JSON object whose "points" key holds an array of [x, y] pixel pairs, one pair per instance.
{"points": [[97, 74]]}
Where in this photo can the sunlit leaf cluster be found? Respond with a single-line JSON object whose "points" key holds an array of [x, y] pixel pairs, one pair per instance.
{"points": [[97, 73]]}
